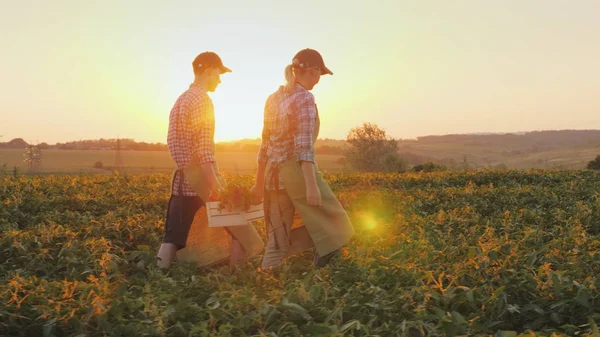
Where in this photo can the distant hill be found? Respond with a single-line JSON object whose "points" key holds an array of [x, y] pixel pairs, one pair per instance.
{"points": [[17, 143], [533, 149], [543, 139]]}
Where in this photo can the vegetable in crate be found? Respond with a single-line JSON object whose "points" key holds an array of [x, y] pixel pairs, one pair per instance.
{"points": [[235, 197]]}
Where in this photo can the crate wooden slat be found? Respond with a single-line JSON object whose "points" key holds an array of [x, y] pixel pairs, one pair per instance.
{"points": [[225, 218]]}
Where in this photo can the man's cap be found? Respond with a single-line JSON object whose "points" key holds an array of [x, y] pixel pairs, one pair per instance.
{"points": [[308, 58], [209, 59]]}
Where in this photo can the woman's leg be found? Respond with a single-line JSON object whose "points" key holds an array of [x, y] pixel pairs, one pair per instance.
{"points": [[279, 223]]}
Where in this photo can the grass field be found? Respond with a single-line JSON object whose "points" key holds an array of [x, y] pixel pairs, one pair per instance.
{"points": [[476, 155], [479, 253], [481, 155], [75, 161]]}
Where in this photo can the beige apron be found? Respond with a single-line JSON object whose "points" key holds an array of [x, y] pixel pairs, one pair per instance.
{"points": [[328, 226], [210, 245]]}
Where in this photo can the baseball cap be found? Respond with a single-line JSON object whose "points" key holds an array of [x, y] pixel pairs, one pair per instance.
{"points": [[308, 58], [209, 59]]}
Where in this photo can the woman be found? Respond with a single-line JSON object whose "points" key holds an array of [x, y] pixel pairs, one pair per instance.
{"points": [[287, 175]]}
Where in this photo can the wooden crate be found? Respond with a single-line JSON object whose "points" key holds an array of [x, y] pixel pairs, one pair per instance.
{"points": [[225, 218]]}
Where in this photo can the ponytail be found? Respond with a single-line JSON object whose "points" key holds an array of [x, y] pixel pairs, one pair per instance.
{"points": [[290, 77], [290, 74]]}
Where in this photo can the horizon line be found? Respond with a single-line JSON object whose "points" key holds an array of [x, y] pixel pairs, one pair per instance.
{"points": [[480, 133]]}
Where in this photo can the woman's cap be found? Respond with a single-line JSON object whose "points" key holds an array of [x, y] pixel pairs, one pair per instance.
{"points": [[308, 58]]}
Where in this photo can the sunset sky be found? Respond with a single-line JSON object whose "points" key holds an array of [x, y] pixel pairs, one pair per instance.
{"points": [[104, 69]]}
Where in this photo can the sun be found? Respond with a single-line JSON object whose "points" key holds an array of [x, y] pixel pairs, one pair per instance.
{"points": [[239, 107], [233, 124], [239, 99]]}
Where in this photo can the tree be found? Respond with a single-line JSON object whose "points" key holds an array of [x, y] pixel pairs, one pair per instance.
{"points": [[33, 158], [371, 150], [594, 164]]}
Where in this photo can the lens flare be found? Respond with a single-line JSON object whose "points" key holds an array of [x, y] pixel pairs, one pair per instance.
{"points": [[368, 221]]}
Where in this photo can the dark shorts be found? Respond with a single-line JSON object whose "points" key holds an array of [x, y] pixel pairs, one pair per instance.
{"points": [[180, 216]]}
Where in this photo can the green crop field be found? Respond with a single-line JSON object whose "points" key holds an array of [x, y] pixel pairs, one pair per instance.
{"points": [[488, 253]]}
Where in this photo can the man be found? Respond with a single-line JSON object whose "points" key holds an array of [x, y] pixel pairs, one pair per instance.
{"points": [[191, 142]]}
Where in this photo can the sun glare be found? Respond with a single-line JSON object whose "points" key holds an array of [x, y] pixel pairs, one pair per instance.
{"points": [[368, 221]]}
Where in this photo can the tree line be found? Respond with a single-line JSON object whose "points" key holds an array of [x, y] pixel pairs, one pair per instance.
{"points": [[131, 145]]}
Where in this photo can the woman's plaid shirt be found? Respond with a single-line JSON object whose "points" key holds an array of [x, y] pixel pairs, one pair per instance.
{"points": [[289, 122], [191, 132]]}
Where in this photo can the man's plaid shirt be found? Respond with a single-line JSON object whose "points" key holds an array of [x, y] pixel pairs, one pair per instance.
{"points": [[289, 122], [191, 132]]}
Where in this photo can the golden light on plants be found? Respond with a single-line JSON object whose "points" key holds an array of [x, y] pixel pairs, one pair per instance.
{"points": [[468, 247], [368, 221]]}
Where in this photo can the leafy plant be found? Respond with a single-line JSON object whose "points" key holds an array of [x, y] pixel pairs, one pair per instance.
{"points": [[429, 167], [594, 164], [235, 196]]}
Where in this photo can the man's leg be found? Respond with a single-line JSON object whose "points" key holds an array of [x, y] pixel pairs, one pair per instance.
{"points": [[246, 242], [180, 216], [281, 214], [166, 255], [237, 252]]}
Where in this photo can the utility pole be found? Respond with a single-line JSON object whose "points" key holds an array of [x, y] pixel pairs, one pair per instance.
{"points": [[118, 156]]}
